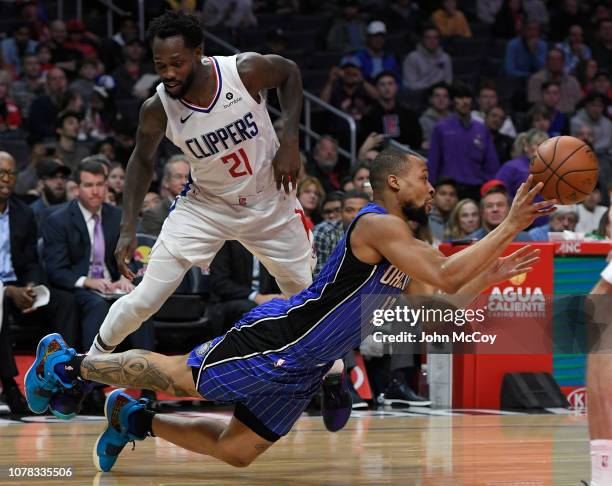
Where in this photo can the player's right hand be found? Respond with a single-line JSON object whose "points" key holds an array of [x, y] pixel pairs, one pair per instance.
{"points": [[524, 211], [126, 245]]}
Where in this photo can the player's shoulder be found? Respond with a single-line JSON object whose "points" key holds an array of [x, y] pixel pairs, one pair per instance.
{"points": [[374, 226], [152, 112]]}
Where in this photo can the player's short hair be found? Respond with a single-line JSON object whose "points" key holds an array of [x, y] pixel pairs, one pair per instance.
{"points": [[91, 167], [389, 161], [173, 23]]}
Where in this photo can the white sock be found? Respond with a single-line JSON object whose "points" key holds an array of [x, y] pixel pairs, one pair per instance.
{"points": [[601, 462], [97, 349]]}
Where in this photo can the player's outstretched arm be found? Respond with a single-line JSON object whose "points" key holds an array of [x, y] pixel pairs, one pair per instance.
{"points": [[259, 72], [139, 173], [387, 236]]}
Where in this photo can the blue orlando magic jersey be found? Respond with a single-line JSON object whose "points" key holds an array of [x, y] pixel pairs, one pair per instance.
{"points": [[321, 323]]}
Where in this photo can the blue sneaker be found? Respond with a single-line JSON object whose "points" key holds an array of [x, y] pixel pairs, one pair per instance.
{"points": [[41, 381], [117, 410], [336, 401], [67, 402]]}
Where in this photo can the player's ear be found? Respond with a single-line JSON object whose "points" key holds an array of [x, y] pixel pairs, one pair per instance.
{"points": [[198, 51], [393, 182]]}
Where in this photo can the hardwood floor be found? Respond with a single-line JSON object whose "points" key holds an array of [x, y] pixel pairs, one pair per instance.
{"points": [[399, 447]]}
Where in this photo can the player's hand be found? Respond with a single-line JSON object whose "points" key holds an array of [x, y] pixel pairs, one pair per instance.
{"points": [[517, 263], [286, 164], [126, 245], [524, 211]]}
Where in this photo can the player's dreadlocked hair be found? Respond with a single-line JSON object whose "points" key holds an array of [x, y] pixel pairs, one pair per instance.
{"points": [[390, 161], [173, 23]]}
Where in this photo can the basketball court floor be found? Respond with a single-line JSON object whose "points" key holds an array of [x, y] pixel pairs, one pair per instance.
{"points": [[391, 446]]}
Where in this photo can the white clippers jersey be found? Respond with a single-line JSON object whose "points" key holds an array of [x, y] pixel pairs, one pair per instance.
{"points": [[229, 144]]}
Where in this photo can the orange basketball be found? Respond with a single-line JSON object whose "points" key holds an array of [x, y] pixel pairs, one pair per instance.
{"points": [[568, 168]]}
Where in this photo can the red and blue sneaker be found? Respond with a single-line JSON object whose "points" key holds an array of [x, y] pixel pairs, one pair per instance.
{"points": [[41, 380], [117, 410]]}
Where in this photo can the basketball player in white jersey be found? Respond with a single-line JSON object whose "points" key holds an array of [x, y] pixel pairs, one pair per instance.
{"points": [[213, 109]]}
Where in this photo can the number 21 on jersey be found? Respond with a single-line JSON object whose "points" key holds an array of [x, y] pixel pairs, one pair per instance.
{"points": [[240, 163]]}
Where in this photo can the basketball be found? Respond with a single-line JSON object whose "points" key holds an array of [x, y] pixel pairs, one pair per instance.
{"points": [[568, 168]]}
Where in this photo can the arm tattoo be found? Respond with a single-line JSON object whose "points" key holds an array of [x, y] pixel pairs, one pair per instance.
{"points": [[134, 368]]}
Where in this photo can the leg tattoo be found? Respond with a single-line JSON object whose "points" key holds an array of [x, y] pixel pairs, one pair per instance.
{"points": [[135, 368]]}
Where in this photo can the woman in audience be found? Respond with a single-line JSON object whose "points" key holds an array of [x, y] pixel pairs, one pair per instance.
{"points": [[585, 72], [116, 179], [514, 172], [310, 193], [463, 221]]}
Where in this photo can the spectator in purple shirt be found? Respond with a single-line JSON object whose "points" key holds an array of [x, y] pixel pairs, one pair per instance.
{"points": [[462, 148]]}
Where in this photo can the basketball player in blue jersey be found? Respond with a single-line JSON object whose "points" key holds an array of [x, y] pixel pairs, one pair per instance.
{"points": [[273, 360], [213, 109]]}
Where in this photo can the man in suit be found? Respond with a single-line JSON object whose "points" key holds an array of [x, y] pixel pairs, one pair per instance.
{"points": [[239, 282], [79, 242], [19, 272], [176, 174]]}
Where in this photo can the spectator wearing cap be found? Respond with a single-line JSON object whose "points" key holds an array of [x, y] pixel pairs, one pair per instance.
{"points": [[81, 40], [526, 53], [494, 208], [445, 200], [602, 47], [101, 115], [390, 118], [494, 120], [10, 118], [131, 70], [44, 109], [565, 218], [52, 176], [428, 64], [374, 60], [574, 49], [592, 115], [462, 148], [450, 21], [346, 89], [347, 32], [20, 271], [20, 44], [553, 71], [438, 108], [551, 97], [68, 149], [29, 86]]}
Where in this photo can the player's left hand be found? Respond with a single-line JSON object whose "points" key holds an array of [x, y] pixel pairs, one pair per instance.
{"points": [[521, 261], [287, 164]]}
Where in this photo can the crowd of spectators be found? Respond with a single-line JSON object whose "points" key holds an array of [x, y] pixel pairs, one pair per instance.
{"points": [[73, 94]]}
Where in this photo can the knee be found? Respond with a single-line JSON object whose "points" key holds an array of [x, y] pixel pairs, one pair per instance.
{"points": [[239, 460]]}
